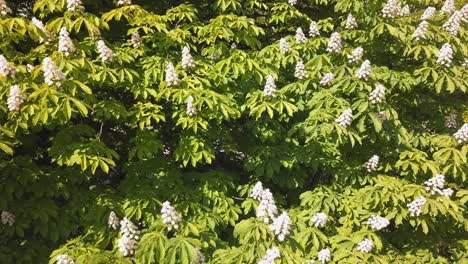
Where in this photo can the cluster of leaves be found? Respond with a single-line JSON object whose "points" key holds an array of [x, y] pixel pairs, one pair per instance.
{"points": [[116, 137]]}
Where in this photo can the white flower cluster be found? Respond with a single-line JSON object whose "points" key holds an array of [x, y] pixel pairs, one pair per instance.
{"points": [[365, 71], [124, 2], [415, 206], [421, 30], [436, 185], [372, 163], [334, 43], [270, 86], [41, 26], [267, 207], [4, 9], [135, 40], [445, 55], [270, 256], [64, 259], [8, 218], [105, 53], [451, 120], [187, 59], [464, 13], [300, 71], [356, 55], [462, 134], [300, 36], [191, 110], [113, 220], [16, 98], [405, 11], [73, 5], [377, 222], [391, 9], [345, 118], [170, 216], [324, 255], [292, 2], [65, 43], [350, 22], [6, 68], [30, 67], [365, 246], [52, 74], [172, 78], [428, 13], [313, 29], [327, 79], [453, 23], [128, 242], [448, 7], [320, 219], [281, 226], [284, 46], [377, 95]]}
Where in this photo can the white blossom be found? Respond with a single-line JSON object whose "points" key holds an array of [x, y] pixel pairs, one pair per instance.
{"points": [[300, 71], [267, 209], [124, 2], [448, 7], [16, 98], [281, 226], [391, 9], [191, 110], [447, 192], [453, 23], [350, 22], [270, 256], [284, 46], [324, 255], [135, 40], [41, 26], [270, 86], [113, 220], [320, 219], [415, 206], [313, 29], [52, 74], [8, 218], [451, 120], [4, 9], [6, 68], [382, 115], [30, 67], [377, 222], [64, 259], [170, 216], [428, 13], [172, 78], [365, 246], [445, 55], [105, 53], [345, 118], [405, 11], [128, 242], [257, 191], [327, 79], [464, 13], [73, 5], [292, 2], [421, 30], [300, 36], [365, 71], [356, 55], [187, 59], [377, 95], [435, 184], [65, 43], [462, 134], [372, 163], [334, 43]]}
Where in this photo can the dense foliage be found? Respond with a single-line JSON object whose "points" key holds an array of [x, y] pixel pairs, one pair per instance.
{"points": [[233, 131]]}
